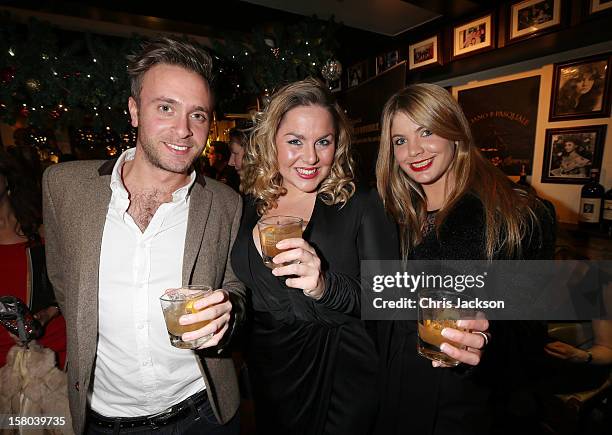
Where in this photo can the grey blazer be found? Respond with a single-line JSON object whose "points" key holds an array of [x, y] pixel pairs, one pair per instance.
{"points": [[76, 196]]}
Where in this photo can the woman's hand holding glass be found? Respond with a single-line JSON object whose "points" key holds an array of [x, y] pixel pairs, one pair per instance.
{"points": [[305, 272], [472, 337]]}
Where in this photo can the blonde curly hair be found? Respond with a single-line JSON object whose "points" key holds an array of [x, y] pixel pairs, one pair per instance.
{"points": [[261, 176]]}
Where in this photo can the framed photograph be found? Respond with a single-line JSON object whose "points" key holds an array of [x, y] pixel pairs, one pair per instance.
{"points": [[386, 60], [533, 17], [476, 35], [426, 52], [357, 73], [599, 5], [571, 153], [335, 85], [581, 89]]}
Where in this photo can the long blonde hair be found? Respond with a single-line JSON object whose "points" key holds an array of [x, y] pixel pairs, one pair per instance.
{"points": [[261, 176], [508, 211]]}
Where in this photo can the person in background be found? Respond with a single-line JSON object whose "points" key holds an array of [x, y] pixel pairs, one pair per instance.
{"points": [[450, 204], [218, 158], [312, 364], [121, 232], [22, 257], [238, 141], [572, 369]]}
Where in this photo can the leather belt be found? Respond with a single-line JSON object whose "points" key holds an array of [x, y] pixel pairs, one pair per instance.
{"points": [[173, 414]]}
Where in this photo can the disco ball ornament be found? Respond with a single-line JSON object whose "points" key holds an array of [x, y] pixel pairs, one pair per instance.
{"points": [[332, 70], [33, 85]]}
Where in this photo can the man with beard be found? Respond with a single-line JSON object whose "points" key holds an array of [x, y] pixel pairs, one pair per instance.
{"points": [[119, 233]]}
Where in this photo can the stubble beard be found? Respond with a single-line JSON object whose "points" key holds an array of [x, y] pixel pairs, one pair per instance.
{"points": [[154, 157]]}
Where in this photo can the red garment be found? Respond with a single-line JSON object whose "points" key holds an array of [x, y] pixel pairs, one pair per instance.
{"points": [[14, 270]]}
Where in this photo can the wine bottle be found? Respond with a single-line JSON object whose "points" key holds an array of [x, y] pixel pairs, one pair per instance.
{"points": [[523, 177], [591, 199]]}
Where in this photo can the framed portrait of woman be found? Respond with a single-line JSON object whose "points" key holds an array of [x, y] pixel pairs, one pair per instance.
{"points": [[581, 89], [571, 153]]}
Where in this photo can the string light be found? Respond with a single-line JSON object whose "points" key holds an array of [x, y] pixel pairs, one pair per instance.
{"points": [[11, 52]]}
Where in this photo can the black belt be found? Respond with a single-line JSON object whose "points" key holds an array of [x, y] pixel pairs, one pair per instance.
{"points": [[170, 415]]}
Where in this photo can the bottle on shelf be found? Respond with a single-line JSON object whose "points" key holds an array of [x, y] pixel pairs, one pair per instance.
{"points": [[591, 201], [606, 215], [523, 177], [522, 181]]}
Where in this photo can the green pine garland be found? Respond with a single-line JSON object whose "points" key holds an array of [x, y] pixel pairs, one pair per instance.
{"points": [[57, 78]]}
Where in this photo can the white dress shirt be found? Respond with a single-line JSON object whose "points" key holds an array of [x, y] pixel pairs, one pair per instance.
{"points": [[137, 371]]}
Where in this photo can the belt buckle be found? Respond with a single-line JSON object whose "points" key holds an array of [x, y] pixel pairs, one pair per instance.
{"points": [[161, 418]]}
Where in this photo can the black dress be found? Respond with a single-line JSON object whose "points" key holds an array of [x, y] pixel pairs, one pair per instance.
{"points": [[417, 398], [312, 364]]}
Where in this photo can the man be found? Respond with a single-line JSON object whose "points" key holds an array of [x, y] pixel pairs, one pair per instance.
{"points": [[218, 158], [120, 233]]}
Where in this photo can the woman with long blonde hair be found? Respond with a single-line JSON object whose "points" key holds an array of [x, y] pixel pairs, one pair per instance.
{"points": [[312, 364], [450, 203]]}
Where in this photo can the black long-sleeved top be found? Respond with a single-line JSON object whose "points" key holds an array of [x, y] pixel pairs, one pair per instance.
{"points": [[312, 364], [417, 398]]}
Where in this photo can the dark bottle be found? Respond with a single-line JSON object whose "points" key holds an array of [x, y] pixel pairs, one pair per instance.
{"points": [[522, 182], [591, 199], [606, 216], [523, 177]]}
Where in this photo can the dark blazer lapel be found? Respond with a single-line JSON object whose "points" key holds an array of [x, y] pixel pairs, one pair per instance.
{"points": [[96, 198], [200, 202]]}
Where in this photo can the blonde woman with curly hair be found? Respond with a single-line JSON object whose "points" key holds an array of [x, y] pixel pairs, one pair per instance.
{"points": [[312, 364], [450, 204]]}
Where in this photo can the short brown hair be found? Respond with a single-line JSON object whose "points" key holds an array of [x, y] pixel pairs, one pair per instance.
{"points": [[171, 51]]}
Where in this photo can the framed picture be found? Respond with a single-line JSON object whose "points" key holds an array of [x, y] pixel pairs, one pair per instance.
{"points": [[386, 60], [571, 153], [503, 118], [476, 35], [599, 5], [426, 52], [532, 17], [335, 85], [357, 73], [581, 89]]}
